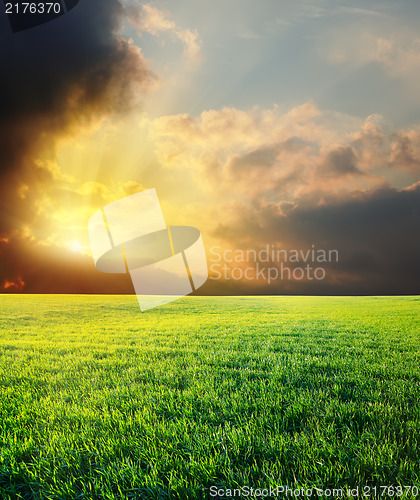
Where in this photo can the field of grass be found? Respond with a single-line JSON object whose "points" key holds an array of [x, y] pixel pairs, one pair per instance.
{"points": [[101, 401]]}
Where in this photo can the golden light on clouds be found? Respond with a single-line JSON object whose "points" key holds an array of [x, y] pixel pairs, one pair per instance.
{"points": [[207, 168]]}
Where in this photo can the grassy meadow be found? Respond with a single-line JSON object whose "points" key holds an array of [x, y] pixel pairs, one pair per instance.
{"points": [[101, 401]]}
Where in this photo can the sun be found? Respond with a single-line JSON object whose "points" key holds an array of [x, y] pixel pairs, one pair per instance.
{"points": [[75, 246]]}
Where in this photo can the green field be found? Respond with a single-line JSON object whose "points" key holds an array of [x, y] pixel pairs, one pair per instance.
{"points": [[101, 401]]}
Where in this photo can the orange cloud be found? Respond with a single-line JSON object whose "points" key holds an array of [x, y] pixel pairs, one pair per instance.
{"points": [[14, 286]]}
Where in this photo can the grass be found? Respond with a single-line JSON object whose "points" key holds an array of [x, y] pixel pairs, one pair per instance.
{"points": [[101, 401]]}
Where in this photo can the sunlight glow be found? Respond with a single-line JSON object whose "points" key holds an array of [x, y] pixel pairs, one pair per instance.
{"points": [[75, 246]]}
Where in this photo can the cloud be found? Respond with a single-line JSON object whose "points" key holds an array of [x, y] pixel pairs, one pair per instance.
{"points": [[151, 20], [395, 49], [358, 11], [15, 286], [373, 232], [400, 57], [340, 162], [191, 43], [301, 177], [405, 151], [270, 153]]}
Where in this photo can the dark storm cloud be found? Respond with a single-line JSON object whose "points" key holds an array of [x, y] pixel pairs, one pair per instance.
{"points": [[55, 78], [58, 73], [376, 234]]}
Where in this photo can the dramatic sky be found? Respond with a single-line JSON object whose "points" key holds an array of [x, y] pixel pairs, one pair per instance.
{"points": [[293, 125]]}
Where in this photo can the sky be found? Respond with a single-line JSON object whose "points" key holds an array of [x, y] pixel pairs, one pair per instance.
{"points": [[274, 125]]}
